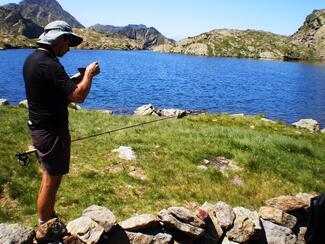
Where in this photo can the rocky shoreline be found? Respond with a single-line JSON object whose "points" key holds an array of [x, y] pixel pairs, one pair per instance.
{"points": [[149, 110], [283, 219]]}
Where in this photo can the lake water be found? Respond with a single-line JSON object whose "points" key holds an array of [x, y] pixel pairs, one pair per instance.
{"points": [[128, 79]]}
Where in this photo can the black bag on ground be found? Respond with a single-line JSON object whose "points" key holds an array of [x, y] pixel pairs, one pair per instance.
{"points": [[316, 223]]}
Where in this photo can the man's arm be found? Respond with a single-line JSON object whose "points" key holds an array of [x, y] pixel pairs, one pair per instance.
{"points": [[82, 90]]}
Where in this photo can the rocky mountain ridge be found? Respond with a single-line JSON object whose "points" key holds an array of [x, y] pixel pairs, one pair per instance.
{"points": [[42, 12], [308, 43], [148, 36], [312, 33]]}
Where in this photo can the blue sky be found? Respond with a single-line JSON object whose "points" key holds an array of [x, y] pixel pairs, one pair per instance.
{"points": [[182, 18]]}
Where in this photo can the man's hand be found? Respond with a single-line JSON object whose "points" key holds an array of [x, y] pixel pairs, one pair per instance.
{"points": [[82, 90], [93, 69]]}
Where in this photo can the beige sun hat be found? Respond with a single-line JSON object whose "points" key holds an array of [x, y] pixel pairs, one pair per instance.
{"points": [[56, 29]]}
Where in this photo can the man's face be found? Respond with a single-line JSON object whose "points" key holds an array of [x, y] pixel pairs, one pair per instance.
{"points": [[62, 46]]}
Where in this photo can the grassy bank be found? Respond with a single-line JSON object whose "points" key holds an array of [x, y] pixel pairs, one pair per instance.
{"points": [[277, 159]]}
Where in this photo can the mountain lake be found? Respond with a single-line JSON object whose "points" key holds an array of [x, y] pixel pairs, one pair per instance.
{"points": [[285, 91]]}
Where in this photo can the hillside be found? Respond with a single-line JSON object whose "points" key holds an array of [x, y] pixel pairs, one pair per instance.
{"points": [[312, 33], [13, 23], [241, 44], [96, 40], [149, 37], [275, 159]]}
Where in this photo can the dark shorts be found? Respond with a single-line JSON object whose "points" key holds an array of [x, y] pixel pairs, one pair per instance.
{"points": [[53, 149]]}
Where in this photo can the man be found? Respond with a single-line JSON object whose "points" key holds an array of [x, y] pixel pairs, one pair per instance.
{"points": [[49, 91]]}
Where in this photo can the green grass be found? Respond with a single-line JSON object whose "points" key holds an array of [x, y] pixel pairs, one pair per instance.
{"points": [[276, 159]]}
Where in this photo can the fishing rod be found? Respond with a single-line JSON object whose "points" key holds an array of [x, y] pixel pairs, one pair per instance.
{"points": [[23, 157]]}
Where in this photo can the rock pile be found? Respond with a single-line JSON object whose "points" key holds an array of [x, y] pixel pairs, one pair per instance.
{"points": [[282, 220], [150, 110]]}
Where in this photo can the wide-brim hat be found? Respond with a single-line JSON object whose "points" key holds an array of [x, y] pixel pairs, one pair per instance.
{"points": [[56, 29]]}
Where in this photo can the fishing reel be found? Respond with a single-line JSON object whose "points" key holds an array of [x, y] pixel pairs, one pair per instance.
{"points": [[23, 157]]}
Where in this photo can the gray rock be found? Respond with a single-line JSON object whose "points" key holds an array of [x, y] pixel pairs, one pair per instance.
{"points": [[244, 228], [268, 120], [125, 153], [140, 238], [74, 106], [172, 112], [101, 215], [51, 230], [301, 235], [276, 234], [139, 222], [144, 110], [277, 216], [23, 104], [213, 228], [186, 216], [252, 215], [223, 213], [85, 229], [170, 221], [137, 173], [222, 164], [323, 131], [3, 102], [309, 124], [16, 234], [306, 197], [287, 203]]}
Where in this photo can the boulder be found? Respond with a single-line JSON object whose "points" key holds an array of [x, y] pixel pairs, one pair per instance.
{"points": [[186, 216], [222, 164], [213, 229], [245, 225], [171, 222], [15, 233], [145, 110], [172, 112], [23, 104], [223, 213], [3, 102], [137, 173], [278, 234], [277, 216], [306, 197], [287, 203], [51, 230], [140, 238], [86, 229], [309, 124], [101, 215], [140, 222], [125, 153]]}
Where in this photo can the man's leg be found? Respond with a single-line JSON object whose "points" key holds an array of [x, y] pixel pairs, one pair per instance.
{"points": [[46, 196]]}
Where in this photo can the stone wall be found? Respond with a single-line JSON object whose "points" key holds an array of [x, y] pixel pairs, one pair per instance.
{"points": [[282, 220]]}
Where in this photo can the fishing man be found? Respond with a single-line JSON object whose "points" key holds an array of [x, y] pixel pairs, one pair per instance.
{"points": [[49, 90]]}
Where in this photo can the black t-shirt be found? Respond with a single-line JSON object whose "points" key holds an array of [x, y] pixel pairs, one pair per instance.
{"points": [[47, 89]]}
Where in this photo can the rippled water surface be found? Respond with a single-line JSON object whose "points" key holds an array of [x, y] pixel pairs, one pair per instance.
{"points": [[280, 90]]}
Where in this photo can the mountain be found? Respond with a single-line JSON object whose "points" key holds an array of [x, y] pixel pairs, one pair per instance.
{"points": [[148, 36], [106, 41], [42, 12], [239, 43], [312, 33], [12, 22]]}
